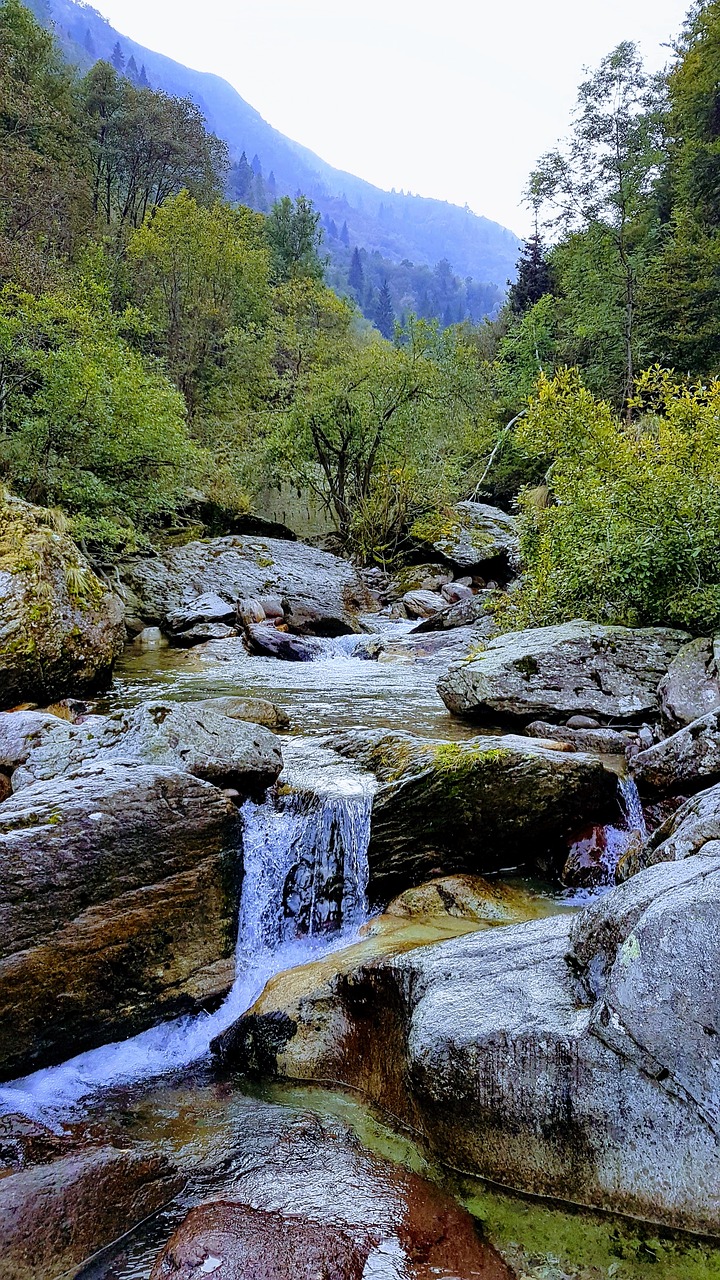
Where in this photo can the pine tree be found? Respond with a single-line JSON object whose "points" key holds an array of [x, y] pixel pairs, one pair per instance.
{"points": [[345, 235], [90, 43], [256, 166], [118, 58], [272, 185], [143, 79], [385, 314], [132, 71], [356, 275], [533, 277], [332, 229]]}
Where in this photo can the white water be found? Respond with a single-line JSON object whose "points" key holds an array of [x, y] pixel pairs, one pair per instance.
{"points": [[303, 895]]}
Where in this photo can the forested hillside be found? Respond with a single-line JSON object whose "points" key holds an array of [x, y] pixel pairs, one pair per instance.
{"points": [[391, 228]]}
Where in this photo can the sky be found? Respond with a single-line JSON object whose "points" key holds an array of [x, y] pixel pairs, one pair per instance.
{"points": [[455, 99]]}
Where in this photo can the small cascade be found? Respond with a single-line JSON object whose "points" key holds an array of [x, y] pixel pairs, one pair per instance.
{"points": [[304, 893], [596, 854], [632, 806]]}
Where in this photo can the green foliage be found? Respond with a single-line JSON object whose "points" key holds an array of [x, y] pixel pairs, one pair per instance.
{"points": [[294, 236], [628, 532], [86, 423]]}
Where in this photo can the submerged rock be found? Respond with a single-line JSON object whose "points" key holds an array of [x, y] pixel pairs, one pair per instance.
{"points": [[486, 902], [472, 536], [564, 1058], [118, 906], [472, 806], [61, 629], [320, 590], [691, 687], [227, 752], [55, 1215], [254, 710], [311, 1202], [550, 673]]}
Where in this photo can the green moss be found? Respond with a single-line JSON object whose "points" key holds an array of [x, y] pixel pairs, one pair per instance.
{"points": [[437, 527]]}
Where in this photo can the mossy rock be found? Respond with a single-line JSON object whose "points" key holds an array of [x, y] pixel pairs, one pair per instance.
{"points": [[61, 629]]}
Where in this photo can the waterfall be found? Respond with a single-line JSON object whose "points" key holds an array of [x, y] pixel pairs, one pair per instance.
{"points": [[631, 806], [303, 894]]}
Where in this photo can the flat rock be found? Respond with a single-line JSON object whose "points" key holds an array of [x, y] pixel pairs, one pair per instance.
{"points": [[118, 905], [551, 673], [254, 710], [613, 742], [472, 536], [209, 607], [61, 629], [472, 806], [227, 752], [309, 582]]}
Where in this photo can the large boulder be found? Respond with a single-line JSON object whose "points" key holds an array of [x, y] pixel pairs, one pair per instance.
{"points": [[691, 687], [569, 1058], [310, 1202], [230, 753], [471, 537], [118, 906], [271, 643], [472, 806], [61, 629], [54, 1216], [321, 593], [553, 673], [685, 762]]}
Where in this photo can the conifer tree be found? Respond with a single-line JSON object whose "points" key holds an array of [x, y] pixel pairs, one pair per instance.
{"points": [[256, 166], [533, 277], [143, 79], [118, 58], [345, 235], [385, 314], [132, 71], [356, 275], [89, 43]]}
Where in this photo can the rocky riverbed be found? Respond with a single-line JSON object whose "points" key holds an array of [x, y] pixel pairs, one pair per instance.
{"points": [[324, 827]]}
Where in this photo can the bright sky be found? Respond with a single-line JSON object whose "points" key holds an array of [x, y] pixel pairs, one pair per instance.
{"points": [[455, 99]]}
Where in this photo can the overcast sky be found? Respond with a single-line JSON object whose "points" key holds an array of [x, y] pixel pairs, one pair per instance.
{"points": [[447, 98]]}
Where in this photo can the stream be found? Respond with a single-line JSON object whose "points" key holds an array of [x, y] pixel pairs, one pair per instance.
{"points": [[304, 896]]}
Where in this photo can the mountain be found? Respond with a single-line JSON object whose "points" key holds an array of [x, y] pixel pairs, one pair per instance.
{"points": [[398, 227]]}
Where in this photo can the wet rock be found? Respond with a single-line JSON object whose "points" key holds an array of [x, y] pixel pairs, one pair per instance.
{"points": [[255, 710], [455, 592], [21, 732], [244, 568], [687, 761], [229, 753], [562, 1059], [596, 854], [151, 638], [54, 1216], [583, 722], [490, 902], [472, 612], [472, 806], [118, 903], [694, 828], [312, 1203], [249, 611], [209, 607], [443, 645], [272, 643], [422, 604], [61, 629], [202, 632], [472, 536], [612, 742], [691, 687], [550, 673]]}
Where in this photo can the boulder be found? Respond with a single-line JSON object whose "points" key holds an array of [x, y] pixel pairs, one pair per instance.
{"points": [[550, 673], [485, 902], [54, 1216], [612, 742], [183, 735], [685, 762], [423, 604], [455, 592], [171, 584], [271, 643], [150, 638], [691, 687], [254, 710], [202, 632], [118, 907], [569, 1058], [209, 607], [310, 1202], [61, 629], [472, 536], [691, 829], [472, 806], [473, 612], [22, 732]]}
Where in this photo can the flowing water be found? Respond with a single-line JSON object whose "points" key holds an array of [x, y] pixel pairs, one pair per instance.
{"points": [[304, 895]]}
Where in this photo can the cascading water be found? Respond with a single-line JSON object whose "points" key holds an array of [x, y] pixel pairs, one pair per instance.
{"points": [[303, 895], [632, 806]]}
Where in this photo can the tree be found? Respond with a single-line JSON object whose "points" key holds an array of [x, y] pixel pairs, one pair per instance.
{"points": [[345, 235], [132, 71], [118, 58], [143, 78], [385, 314], [605, 177], [294, 236], [356, 275], [533, 279], [89, 43]]}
